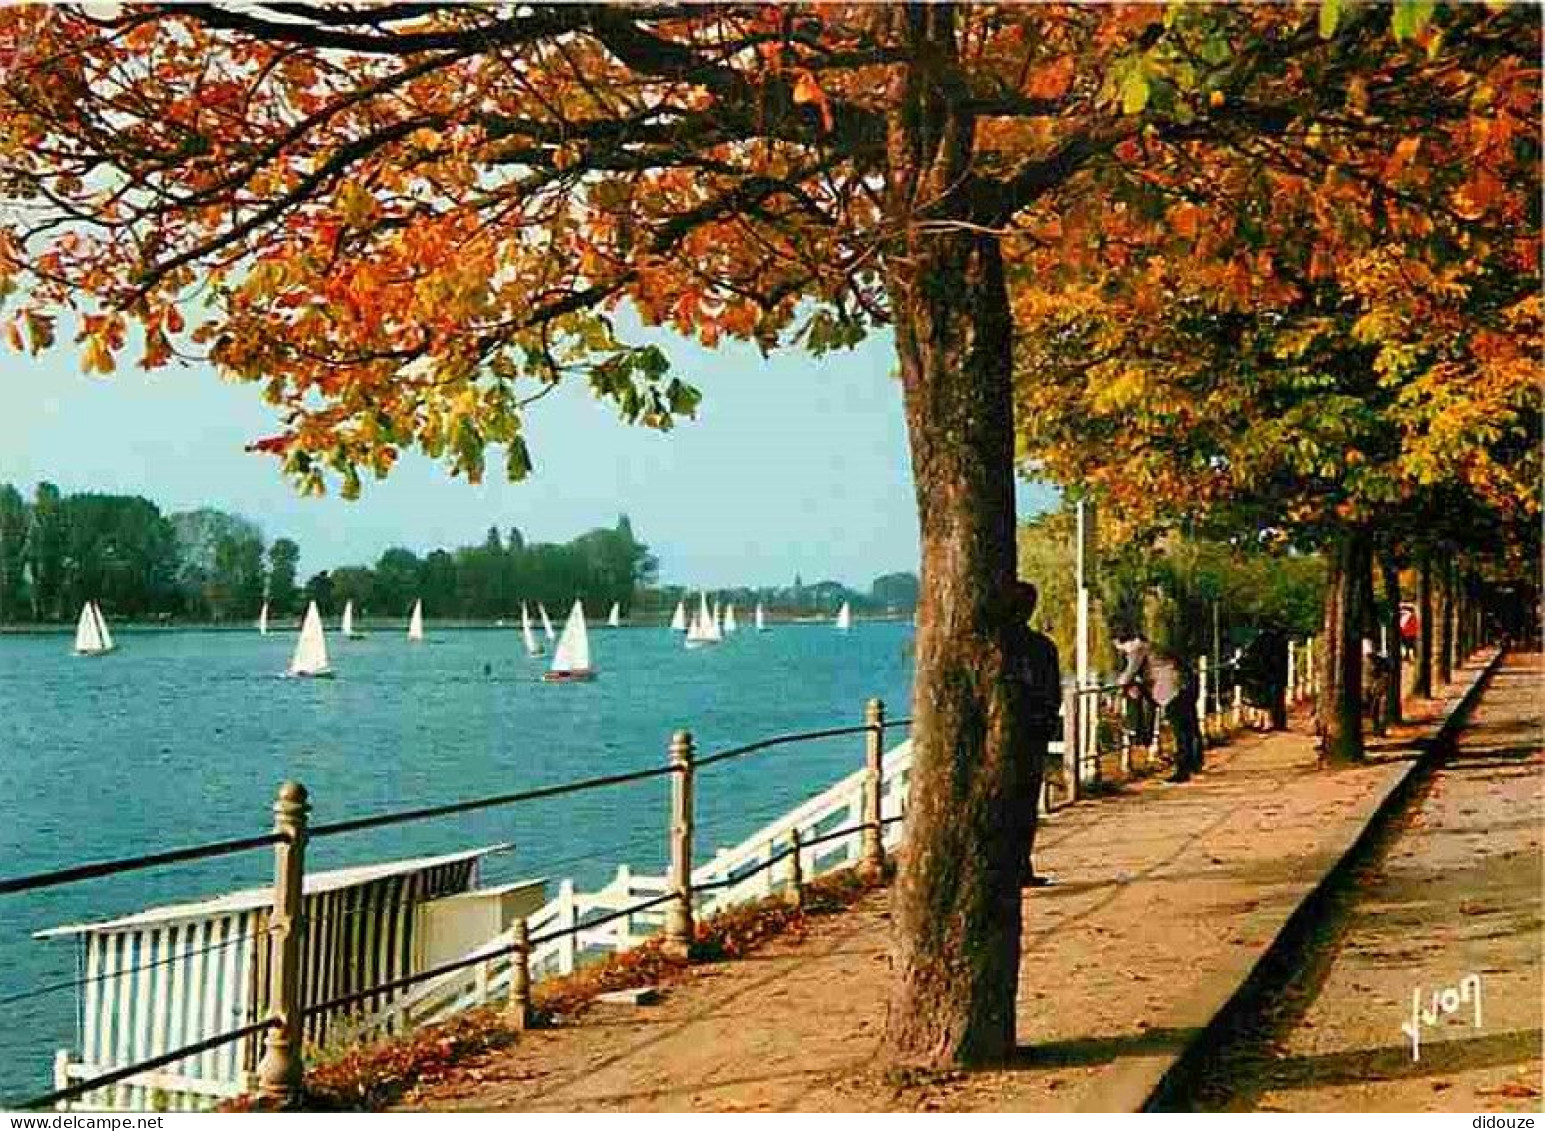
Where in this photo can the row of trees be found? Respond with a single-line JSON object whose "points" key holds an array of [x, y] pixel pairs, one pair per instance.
{"points": [[1185, 593], [206, 565], [58, 550], [1320, 342], [1253, 264], [490, 580]]}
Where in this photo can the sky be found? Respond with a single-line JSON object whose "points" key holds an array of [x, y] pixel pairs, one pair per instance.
{"points": [[794, 465]]}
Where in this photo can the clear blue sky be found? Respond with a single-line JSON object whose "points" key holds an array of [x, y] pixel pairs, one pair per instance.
{"points": [[793, 465]]}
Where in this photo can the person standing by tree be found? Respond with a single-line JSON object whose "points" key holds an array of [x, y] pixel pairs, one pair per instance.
{"points": [[1033, 668], [1164, 678]]}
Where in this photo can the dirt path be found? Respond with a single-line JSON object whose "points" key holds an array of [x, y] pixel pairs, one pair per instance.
{"points": [[1458, 892], [1165, 894]]}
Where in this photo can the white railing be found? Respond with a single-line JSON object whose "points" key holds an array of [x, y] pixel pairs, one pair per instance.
{"points": [[734, 876]]}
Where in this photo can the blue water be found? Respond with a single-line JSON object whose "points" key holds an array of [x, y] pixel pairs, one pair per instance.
{"points": [[181, 737]]}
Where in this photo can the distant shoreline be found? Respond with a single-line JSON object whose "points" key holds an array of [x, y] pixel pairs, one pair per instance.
{"points": [[392, 625]]}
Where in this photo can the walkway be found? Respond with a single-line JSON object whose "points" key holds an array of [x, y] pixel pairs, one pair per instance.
{"points": [[1166, 896], [1458, 892]]}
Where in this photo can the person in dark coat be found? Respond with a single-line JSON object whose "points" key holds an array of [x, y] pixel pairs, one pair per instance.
{"points": [[1164, 678], [1263, 673], [1034, 671], [1375, 688]]}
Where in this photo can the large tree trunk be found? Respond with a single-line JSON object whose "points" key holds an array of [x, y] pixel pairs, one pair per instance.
{"points": [[956, 906], [1424, 612], [1340, 704], [1390, 568], [1443, 624]]}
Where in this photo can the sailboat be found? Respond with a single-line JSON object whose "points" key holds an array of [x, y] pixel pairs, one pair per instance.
{"points": [[844, 617], [729, 619], [532, 647], [547, 625], [704, 628], [310, 659], [347, 627], [91, 635], [761, 618], [263, 620], [571, 662], [416, 622], [679, 617], [614, 618]]}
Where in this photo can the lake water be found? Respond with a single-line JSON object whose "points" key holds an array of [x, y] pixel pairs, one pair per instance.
{"points": [[181, 737]]}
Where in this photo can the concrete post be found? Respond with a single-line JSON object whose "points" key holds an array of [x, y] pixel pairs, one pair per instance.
{"points": [[1292, 684], [519, 1012], [281, 1070], [678, 913], [794, 894], [872, 854]]}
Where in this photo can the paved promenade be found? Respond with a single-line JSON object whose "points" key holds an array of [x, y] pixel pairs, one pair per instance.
{"points": [[1456, 895], [1166, 897]]}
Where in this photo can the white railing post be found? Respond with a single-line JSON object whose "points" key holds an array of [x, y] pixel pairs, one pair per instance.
{"points": [[678, 913], [282, 1068], [872, 853], [794, 894], [1239, 692], [1070, 736], [1127, 736], [568, 919], [1292, 685], [1201, 699], [519, 1013]]}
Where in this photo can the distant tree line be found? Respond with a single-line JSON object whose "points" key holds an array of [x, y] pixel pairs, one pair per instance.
{"points": [[490, 580], [58, 550], [206, 565], [893, 594]]}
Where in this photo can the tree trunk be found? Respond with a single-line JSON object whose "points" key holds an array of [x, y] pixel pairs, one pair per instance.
{"points": [[1443, 625], [1424, 613], [1340, 704], [956, 905], [1390, 568]]}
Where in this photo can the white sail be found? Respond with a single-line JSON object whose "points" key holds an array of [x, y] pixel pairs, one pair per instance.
{"points": [[729, 619], [107, 637], [347, 627], [311, 649], [416, 622], [704, 628], [844, 617], [761, 618], [532, 647], [614, 618], [572, 658], [263, 620], [679, 617], [88, 632], [547, 625]]}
